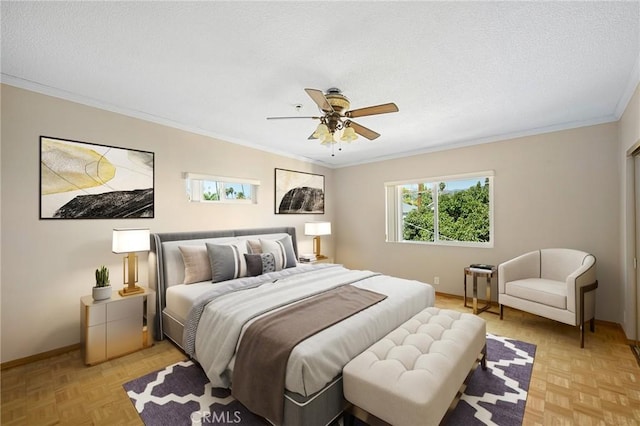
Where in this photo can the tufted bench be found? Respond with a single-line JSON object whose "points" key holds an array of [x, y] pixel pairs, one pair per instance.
{"points": [[411, 376]]}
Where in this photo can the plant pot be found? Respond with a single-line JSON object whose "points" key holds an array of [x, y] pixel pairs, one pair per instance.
{"points": [[101, 293]]}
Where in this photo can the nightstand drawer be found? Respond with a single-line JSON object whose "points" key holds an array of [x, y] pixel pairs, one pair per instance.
{"points": [[96, 345], [124, 336], [124, 308], [96, 315]]}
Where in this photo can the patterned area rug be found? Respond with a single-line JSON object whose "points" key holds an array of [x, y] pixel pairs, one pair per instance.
{"points": [[498, 395], [182, 395]]}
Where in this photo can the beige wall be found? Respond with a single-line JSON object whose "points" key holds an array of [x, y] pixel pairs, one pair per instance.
{"points": [[48, 264], [551, 190], [629, 138], [555, 189]]}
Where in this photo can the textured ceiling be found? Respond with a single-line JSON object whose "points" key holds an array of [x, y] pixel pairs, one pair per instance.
{"points": [[460, 73]]}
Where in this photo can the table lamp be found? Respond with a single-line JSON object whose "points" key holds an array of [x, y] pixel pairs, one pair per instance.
{"points": [[130, 241], [316, 229]]}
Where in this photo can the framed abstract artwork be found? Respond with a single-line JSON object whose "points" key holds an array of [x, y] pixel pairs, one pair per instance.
{"points": [[80, 180], [298, 192]]}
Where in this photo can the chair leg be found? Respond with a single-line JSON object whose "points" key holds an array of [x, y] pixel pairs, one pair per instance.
{"points": [[501, 310], [592, 324]]}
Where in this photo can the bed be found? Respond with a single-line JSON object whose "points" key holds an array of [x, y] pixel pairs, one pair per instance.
{"points": [[207, 321]]}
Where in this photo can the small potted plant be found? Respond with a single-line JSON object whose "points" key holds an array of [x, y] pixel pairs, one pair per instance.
{"points": [[102, 290]]}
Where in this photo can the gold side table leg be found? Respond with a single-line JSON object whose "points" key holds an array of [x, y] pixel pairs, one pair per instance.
{"points": [[475, 294], [488, 291], [465, 289]]}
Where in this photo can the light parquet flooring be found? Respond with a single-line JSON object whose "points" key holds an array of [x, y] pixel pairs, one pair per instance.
{"points": [[62, 390], [597, 385]]}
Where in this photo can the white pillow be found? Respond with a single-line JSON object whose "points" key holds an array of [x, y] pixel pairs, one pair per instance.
{"points": [[254, 246], [197, 267], [282, 250]]}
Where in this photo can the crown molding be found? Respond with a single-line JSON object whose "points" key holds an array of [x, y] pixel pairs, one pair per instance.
{"points": [[94, 103]]}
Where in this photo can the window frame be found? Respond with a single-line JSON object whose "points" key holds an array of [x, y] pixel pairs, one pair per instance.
{"points": [[394, 209], [194, 183]]}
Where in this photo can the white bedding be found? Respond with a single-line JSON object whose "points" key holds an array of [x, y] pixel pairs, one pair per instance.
{"points": [[180, 298], [317, 360]]}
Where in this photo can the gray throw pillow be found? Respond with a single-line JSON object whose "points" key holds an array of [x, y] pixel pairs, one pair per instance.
{"points": [[282, 250], [258, 264], [227, 261]]}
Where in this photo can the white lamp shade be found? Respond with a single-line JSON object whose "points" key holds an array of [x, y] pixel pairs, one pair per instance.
{"points": [[317, 228], [127, 240]]}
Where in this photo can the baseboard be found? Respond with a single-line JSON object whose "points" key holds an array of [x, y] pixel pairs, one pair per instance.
{"points": [[636, 352], [461, 298], [611, 323], [38, 357], [451, 296]]}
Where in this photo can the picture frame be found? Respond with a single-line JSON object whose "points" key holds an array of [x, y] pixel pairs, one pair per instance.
{"points": [[82, 180], [298, 192]]}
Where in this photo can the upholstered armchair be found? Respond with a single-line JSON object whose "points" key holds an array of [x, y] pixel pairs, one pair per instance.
{"points": [[557, 283]]}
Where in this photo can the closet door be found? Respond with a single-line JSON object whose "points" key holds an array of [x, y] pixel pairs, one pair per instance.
{"points": [[636, 161]]}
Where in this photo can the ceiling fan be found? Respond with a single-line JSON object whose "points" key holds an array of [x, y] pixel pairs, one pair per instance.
{"points": [[336, 120]]}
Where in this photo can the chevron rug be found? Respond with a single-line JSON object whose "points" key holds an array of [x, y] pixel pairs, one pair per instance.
{"points": [[181, 394]]}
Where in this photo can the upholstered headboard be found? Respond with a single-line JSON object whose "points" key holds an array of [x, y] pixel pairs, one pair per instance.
{"points": [[166, 265]]}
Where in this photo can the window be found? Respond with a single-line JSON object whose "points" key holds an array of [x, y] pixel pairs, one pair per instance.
{"points": [[217, 189], [453, 210]]}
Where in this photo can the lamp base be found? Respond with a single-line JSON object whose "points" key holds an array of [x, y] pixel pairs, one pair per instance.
{"points": [[130, 290]]}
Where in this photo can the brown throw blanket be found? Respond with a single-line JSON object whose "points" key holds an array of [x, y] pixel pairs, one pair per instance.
{"points": [[261, 360]]}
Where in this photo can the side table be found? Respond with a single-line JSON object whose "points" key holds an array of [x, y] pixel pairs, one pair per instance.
{"points": [[475, 273], [116, 326]]}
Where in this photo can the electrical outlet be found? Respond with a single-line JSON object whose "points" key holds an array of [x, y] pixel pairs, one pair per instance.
{"points": [[436, 280]]}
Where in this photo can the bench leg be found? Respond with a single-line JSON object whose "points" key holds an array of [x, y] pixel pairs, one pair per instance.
{"points": [[348, 419], [483, 361]]}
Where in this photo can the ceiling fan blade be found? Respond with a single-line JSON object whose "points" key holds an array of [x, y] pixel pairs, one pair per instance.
{"points": [[312, 137], [363, 131], [295, 116], [318, 98], [372, 110]]}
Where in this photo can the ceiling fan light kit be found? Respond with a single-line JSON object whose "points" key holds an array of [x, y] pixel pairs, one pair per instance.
{"points": [[336, 119], [349, 134]]}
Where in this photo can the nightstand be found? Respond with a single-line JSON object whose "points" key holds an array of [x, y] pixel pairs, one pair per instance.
{"points": [[324, 260], [116, 326]]}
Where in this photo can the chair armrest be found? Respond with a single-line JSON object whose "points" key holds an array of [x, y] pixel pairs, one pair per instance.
{"points": [[524, 266], [583, 276]]}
